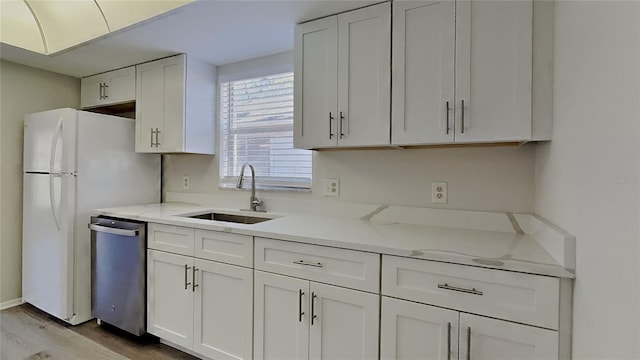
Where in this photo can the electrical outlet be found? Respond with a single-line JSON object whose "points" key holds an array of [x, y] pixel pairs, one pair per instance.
{"points": [[439, 192], [331, 187], [185, 182]]}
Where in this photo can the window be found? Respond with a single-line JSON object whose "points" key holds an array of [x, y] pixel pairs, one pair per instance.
{"points": [[256, 126]]}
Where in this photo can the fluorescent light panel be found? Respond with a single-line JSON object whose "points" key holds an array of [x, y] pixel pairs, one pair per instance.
{"points": [[50, 26]]}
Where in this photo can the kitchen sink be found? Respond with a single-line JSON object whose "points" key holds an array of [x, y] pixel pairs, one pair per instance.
{"points": [[239, 219]]}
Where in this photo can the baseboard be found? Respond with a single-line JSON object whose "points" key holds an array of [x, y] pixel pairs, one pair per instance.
{"points": [[10, 303]]}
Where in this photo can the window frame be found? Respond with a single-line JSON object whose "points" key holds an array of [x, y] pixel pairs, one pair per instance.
{"points": [[255, 68]]}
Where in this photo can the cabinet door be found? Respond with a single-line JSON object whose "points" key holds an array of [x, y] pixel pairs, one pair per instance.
{"points": [[491, 339], [281, 313], [493, 70], [344, 323], [149, 106], [364, 78], [223, 317], [121, 85], [160, 105], [315, 84], [423, 62], [414, 331], [92, 91], [170, 297]]}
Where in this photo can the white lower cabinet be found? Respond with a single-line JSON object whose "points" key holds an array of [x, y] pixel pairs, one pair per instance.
{"points": [[491, 339], [202, 305], [416, 331], [410, 331], [170, 297], [301, 319]]}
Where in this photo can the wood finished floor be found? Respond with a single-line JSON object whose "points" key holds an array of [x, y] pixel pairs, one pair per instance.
{"points": [[28, 333]]}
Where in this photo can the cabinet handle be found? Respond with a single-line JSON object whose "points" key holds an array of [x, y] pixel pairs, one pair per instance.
{"points": [[151, 137], [101, 91], [157, 132], [313, 301], [462, 119], [106, 91], [341, 122], [449, 341], [330, 125], [186, 284], [302, 262], [469, 343], [447, 118], [193, 279], [472, 291], [300, 312]]}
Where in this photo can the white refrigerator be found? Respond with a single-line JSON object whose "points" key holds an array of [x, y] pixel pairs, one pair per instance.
{"points": [[74, 161]]}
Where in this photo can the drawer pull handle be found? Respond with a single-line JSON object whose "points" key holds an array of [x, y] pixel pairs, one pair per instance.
{"points": [[313, 311], [449, 341], [300, 312], [469, 343], [193, 279], [454, 288], [302, 262], [186, 269]]}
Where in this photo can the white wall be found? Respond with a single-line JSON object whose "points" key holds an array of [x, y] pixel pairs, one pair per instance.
{"points": [[24, 90], [588, 177], [484, 178]]}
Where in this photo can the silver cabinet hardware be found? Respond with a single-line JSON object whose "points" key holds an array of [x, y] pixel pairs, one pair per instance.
{"points": [[472, 291], [302, 262], [101, 91], [193, 279], [151, 137], [300, 312], [449, 341], [462, 119], [313, 301], [469, 343], [106, 91], [341, 122], [330, 125], [157, 132], [447, 118], [115, 231], [186, 278]]}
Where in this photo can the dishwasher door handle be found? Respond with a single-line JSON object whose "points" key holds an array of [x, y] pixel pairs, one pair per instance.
{"points": [[115, 231]]}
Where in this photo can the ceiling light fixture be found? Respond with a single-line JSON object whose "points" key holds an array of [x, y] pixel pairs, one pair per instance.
{"points": [[51, 26]]}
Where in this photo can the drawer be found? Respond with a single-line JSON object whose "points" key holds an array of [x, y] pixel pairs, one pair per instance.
{"points": [[523, 298], [224, 247], [175, 239], [348, 268]]}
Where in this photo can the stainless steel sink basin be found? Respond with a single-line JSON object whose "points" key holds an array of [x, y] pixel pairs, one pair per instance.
{"points": [[239, 219]]}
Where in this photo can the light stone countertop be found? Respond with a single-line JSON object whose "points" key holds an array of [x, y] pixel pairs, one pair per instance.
{"points": [[520, 242]]}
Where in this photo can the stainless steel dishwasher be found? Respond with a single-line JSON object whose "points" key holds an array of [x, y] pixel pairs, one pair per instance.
{"points": [[118, 276]]}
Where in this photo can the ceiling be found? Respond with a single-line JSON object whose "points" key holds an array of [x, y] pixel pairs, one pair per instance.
{"points": [[217, 31]]}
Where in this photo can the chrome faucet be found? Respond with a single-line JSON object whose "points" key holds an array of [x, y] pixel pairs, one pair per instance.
{"points": [[253, 201]]}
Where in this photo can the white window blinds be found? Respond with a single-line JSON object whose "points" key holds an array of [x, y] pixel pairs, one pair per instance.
{"points": [[256, 125]]}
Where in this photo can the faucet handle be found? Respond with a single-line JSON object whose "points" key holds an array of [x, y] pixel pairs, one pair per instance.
{"points": [[257, 202]]}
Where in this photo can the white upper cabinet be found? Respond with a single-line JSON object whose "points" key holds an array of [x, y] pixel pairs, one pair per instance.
{"points": [[316, 84], [342, 81], [175, 108], [493, 70], [110, 88], [423, 72], [483, 49]]}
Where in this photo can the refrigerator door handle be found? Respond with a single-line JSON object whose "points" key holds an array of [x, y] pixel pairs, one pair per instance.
{"points": [[52, 175], [54, 144], [52, 199]]}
